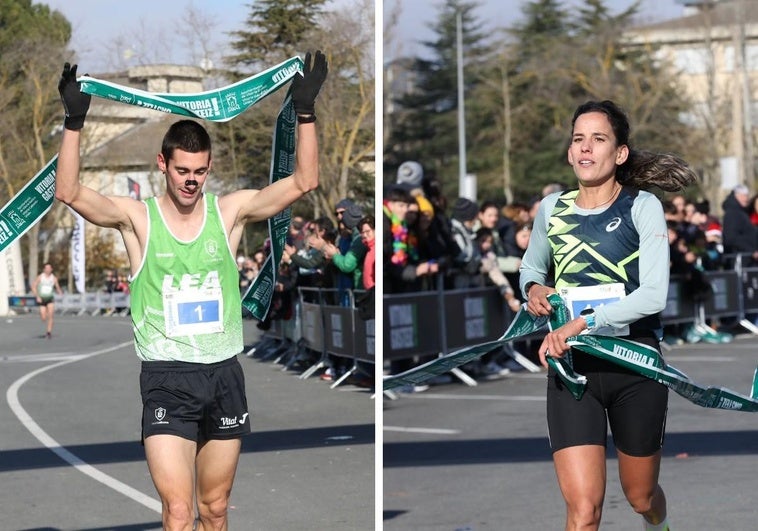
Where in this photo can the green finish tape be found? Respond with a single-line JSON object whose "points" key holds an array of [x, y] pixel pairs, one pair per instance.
{"points": [[637, 357], [28, 206]]}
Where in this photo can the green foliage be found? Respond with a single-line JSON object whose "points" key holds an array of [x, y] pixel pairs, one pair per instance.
{"points": [[33, 41], [275, 30], [22, 20], [425, 128]]}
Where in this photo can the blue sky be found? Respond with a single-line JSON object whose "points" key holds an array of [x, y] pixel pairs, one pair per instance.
{"points": [[498, 14], [96, 24]]}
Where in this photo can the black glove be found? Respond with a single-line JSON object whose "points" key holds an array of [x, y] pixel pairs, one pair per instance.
{"points": [[305, 87], [75, 102]]}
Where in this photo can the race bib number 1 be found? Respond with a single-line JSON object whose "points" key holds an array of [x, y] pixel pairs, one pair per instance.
{"points": [[193, 312]]}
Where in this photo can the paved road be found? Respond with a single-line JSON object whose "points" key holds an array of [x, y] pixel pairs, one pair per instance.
{"points": [[309, 463], [459, 458]]}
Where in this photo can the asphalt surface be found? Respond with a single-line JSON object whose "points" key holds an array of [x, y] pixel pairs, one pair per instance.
{"points": [[460, 458], [70, 456]]}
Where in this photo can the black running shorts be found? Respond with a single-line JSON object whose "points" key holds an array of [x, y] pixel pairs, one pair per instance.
{"points": [[195, 401], [634, 406]]}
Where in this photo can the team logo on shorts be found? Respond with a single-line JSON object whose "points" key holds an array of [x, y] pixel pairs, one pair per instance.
{"points": [[160, 414]]}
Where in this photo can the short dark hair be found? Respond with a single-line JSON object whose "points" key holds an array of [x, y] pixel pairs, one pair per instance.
{"points": [[395, 193], [487, 205], [324, 223], [366, 220], [188, 136], [483, 234]]}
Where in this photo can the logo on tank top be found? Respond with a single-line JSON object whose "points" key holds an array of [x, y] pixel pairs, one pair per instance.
{"points": [[211, 247], [613, 225]]}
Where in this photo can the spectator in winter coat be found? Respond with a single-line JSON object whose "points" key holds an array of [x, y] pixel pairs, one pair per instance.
{"points": [[739, 234]]}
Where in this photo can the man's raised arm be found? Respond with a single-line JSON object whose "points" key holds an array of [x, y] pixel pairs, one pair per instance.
{"points": [[92, 205], [260, 205]]}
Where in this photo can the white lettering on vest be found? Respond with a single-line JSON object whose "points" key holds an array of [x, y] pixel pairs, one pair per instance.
{"points": [[191, 282]]}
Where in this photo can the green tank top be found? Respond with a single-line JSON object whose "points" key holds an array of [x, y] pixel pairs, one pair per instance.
{"points": [[185, 299]]}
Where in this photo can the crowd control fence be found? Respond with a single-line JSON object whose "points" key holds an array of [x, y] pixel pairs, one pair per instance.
{"points": [[319, 330], [430, 323], [435, 323], [91, 303]]}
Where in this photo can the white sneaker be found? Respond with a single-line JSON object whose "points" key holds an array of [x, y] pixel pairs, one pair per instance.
{"points": [[493, 371]]}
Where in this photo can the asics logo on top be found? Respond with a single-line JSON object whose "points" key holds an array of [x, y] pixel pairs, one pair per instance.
{"points": [[613, 225]]}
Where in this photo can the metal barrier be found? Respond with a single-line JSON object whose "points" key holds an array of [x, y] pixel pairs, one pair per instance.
{"points": [[324, 329], [413, 328], [459, 317], [93, 303]]}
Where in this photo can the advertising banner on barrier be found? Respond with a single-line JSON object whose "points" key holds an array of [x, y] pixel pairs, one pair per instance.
{"points": [[726, 294], [750, 290]]}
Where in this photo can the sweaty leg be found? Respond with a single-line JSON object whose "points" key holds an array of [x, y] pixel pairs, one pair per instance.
{"points": [[581, 477], [639, 480], [171, 461], [216, 466]]}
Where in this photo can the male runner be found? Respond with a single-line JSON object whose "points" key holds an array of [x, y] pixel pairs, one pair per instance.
{"points": [[185, 298]]}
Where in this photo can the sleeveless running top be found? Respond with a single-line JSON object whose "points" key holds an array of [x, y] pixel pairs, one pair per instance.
{"points": [[46, 287], [603, 248], [185, 299]]}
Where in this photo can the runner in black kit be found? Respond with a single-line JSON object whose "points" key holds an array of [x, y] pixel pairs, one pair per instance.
{"points": [[607, 234]]}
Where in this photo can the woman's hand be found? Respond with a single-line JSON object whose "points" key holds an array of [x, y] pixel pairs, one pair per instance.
{"points": [[555, 344], [537, 303]]}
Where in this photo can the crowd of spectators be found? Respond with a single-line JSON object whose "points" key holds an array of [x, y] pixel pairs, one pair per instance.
{"points": [[336, 260], [432, 243]]}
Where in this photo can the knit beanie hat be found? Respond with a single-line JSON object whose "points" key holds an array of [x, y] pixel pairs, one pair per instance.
{"points": [[343, 203], [464, 209], [410, 173], [352, 216]]}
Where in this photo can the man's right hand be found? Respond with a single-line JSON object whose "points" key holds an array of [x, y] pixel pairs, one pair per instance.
{"points": [[75, 102]]}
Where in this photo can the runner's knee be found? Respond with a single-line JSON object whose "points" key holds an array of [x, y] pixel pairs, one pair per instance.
{"points": [[584, 514], [213, 512], [641, 499], [178, 515]]}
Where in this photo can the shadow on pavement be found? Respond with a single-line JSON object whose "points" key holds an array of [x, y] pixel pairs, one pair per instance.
{"points": [[119, 452], [480, 451]]}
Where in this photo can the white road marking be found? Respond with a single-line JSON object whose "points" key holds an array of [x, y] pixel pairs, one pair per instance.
{"points": [[48, 356], [699, 358], [63, 453], [432, 431], [514, 398]]}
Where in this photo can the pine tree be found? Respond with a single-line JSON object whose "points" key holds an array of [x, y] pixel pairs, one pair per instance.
{"points": [[275, 29], [425, 126]]}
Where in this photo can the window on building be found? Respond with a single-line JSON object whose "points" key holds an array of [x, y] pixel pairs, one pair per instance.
{"points": [[751, 55], [692, 60]]}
